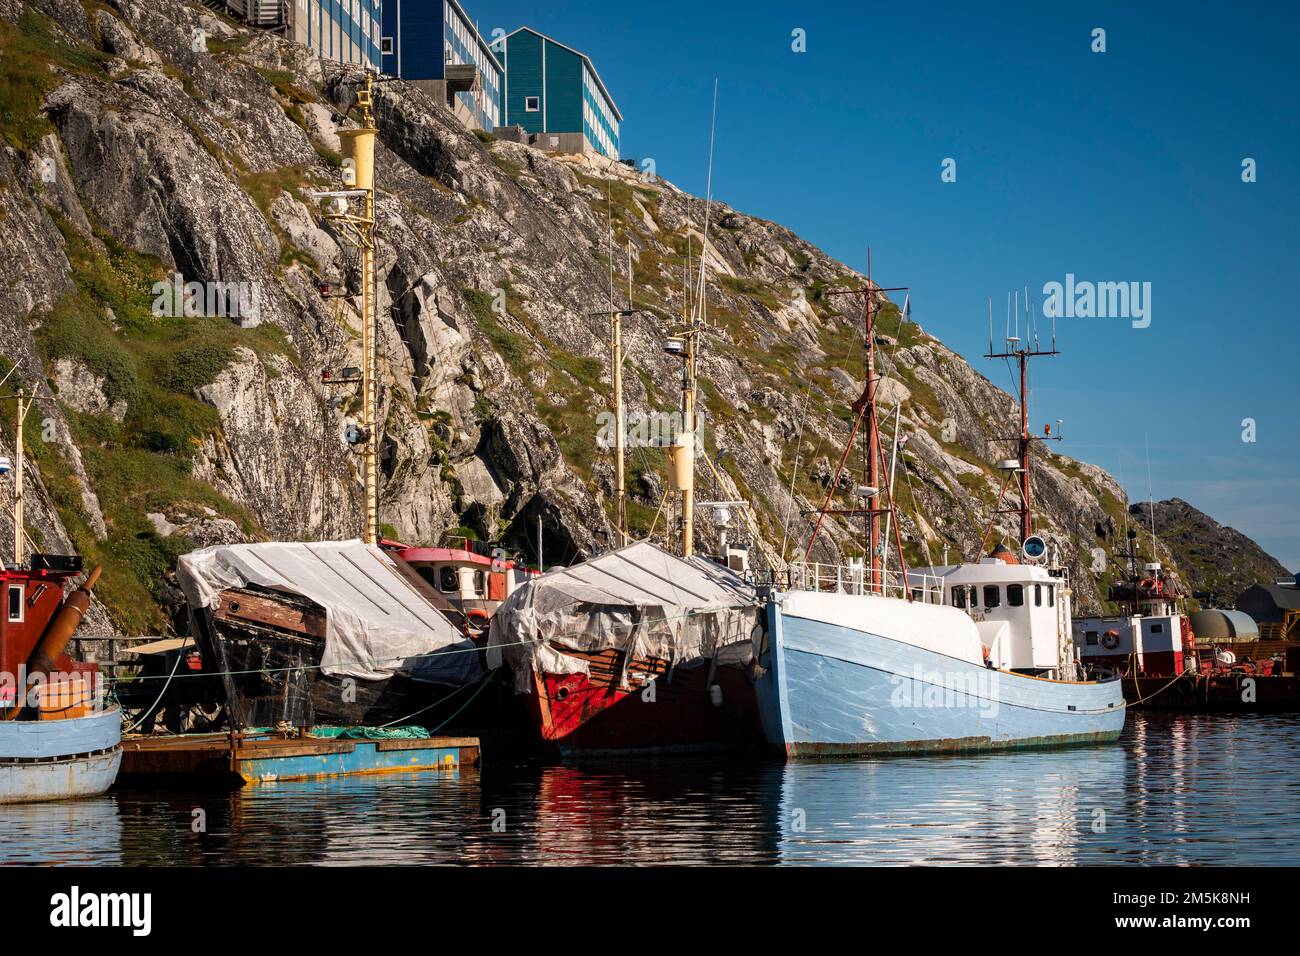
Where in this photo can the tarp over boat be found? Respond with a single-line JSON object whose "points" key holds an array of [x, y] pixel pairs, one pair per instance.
{"points": [[639, 599], [376, 619]]}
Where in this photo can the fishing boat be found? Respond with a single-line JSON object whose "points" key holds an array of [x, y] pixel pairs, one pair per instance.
{"points": [[469, 580], [58, 739], [334, 632], [863, 660], [1169, 660], [637, 650]]}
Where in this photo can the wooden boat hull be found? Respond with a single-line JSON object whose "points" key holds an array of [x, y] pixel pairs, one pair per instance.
{"points": [[59, 759], [269, 667], [600, 713]]}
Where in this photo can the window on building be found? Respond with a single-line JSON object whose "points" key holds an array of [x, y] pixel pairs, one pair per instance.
{"points": [[1090, 638], [1015, 595], [16, 592], [387, 47], [532, 103], [992, 598]]}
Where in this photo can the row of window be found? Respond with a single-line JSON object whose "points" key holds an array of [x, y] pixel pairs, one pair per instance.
{"points": [[456, 51], [964, 596], [595, 134], [462, 46], [594, 95], [346, 31], [448, 580]]}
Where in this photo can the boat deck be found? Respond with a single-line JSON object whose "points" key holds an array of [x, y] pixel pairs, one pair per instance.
{"points": [[223, 759]]}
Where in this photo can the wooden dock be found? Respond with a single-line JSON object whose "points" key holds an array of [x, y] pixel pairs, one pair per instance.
{"points": [[236, 760]]}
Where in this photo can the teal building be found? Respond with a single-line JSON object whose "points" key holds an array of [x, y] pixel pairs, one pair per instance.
{"points": [[551, 88]]}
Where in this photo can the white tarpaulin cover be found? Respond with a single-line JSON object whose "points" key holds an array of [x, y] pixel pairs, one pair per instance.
{"points": [[375, 618], [639, 598]]}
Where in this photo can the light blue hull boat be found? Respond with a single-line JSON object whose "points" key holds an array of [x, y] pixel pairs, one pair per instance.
{"points": [[59, 759], [832, 690]]}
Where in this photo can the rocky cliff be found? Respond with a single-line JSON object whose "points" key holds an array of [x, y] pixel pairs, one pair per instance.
{"points": [[134, 155], [1214, 561]]}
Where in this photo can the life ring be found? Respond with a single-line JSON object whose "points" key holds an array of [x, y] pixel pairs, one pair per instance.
{"points": [[1110, 640]]}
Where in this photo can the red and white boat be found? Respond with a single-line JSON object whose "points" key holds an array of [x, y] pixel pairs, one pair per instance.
{"points": [[637, 650], [469, 582]]}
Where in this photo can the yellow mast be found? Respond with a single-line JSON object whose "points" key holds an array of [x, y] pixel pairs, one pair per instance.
{"points": [[358, 146], [687, 448], [18, 478]]}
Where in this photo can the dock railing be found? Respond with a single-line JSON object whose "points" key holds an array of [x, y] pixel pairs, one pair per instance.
{"points": [[854, 578]]}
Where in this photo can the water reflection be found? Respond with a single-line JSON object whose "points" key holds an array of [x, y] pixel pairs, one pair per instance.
{"points": [[66, 832], [1177, 790]]}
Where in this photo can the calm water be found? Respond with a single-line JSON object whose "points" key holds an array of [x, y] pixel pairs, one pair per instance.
{"points": [[1176, 790]]}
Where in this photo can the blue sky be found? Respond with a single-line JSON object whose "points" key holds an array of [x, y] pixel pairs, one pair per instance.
{"points": [[1117, 166]]}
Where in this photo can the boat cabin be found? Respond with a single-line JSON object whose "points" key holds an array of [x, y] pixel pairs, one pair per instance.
{"points": [[31, 599], [1149, 637], [468, 585], [1022, 611]]}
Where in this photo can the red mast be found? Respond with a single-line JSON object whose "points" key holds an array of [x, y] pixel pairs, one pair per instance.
{"points": [[1024, 441], [864, 408]]}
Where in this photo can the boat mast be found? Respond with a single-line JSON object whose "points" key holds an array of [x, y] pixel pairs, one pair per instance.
{"points": [[684, 451], [23, 408], [1022, 353], [365, 142], [358, 148], [616, 362], [620, 498], [867, 421]]}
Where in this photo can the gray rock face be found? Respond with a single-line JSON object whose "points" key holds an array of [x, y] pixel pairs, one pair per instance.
{"points": [[492, 260]]}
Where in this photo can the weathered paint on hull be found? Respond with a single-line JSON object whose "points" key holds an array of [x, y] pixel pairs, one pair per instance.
{"points": [[837, 691], [582, 717], [64, 779], [950, 746], [215, 759], [59, 759], [366, 758]]}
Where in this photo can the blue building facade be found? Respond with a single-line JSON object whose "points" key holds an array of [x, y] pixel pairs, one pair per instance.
{"points": [[553, 88], [436, 40]]}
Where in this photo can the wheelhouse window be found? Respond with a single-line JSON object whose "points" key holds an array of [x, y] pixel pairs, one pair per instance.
{"points": [[1051, 595], [448, 580], [1157, 628], [959, 597], [480, 584], [16, 592], [992, 597], [1090, 638], [1038, 595], [1015, 595]]}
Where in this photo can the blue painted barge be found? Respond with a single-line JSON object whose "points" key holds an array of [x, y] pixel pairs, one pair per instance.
{"points": [[240, 759]]}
